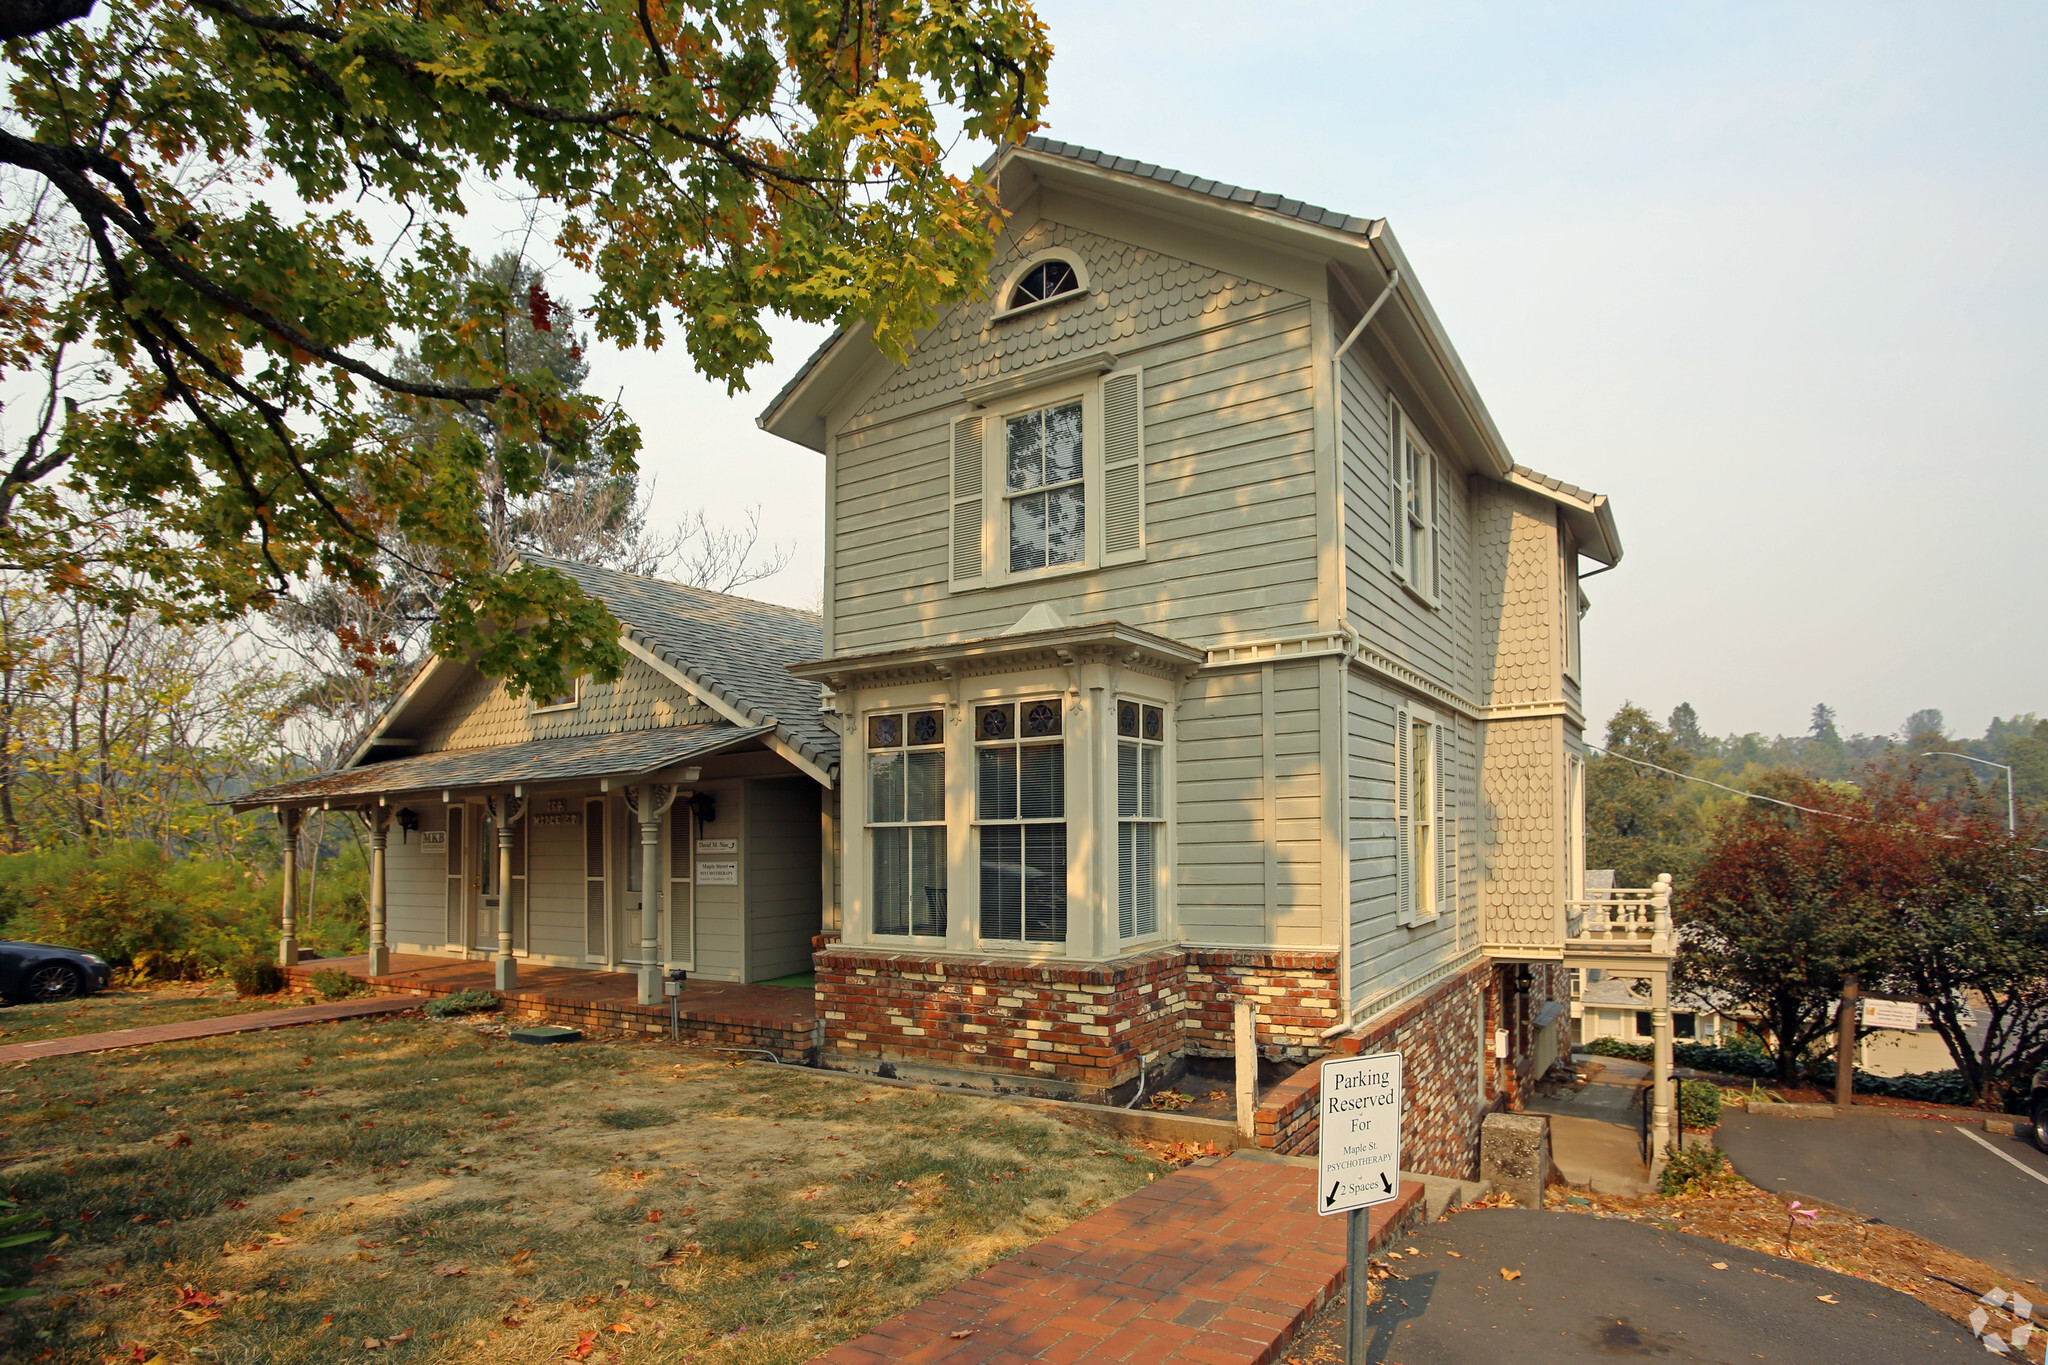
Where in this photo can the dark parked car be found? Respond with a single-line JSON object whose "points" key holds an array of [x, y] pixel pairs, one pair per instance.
{"points": [[32, 973], [2037, 1107]]}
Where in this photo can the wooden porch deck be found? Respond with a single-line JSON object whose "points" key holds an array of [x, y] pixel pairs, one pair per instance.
{"points": [[718, 1013]]}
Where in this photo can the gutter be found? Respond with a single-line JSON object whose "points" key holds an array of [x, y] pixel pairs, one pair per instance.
{"points": [[1337, 398]]}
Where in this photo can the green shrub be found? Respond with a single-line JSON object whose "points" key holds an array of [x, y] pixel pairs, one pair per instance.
{"points": [[461, 1003], [1724, 1061], [255, 976], [1694, 1170], [1699, 1104], [332, 983], [1922, 1087]]}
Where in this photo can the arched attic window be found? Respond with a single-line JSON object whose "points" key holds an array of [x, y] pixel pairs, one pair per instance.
{"points": [[1046, 280]]}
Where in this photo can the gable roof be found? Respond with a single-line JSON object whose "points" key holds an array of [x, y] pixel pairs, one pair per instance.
{"points": [[734, 650], [1588, 514], [730, 652], [1215, 189]]}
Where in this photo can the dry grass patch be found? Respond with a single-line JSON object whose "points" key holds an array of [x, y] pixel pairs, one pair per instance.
{"points": [[119, 1009], [406, 1189]]}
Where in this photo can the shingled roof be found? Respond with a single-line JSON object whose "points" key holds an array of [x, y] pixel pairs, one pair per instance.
{"points": [[735, 648]]}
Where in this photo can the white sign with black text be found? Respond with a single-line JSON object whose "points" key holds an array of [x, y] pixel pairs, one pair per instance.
{"points": [[718, 845], [1358, 1142], [1890, 1014], [721, 873]]}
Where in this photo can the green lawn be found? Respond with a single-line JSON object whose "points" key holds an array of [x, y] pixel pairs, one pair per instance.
{"points": [[118, 1009], [282, 1197]]}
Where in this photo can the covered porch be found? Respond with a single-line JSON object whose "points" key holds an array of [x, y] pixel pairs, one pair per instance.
{"points": [[778, 1019]]}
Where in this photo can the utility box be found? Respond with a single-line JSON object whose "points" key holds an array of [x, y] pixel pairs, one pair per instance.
{"points": [[1514, 1156]]}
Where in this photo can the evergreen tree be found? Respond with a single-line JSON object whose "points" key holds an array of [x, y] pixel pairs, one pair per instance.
{"points": [[1636, 822]]}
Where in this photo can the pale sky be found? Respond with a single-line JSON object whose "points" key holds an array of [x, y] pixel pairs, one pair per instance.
{"points": [[1772, 277]]}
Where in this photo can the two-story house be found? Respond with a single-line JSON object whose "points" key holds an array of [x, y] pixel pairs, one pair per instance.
{"points": [[1190, 637]]}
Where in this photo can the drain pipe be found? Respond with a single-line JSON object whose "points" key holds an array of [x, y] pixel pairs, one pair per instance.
{"points": [[1337, 396]]}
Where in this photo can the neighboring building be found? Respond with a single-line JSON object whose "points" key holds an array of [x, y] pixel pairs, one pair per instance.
{"points": [[1190, 636], [1606, 1006]]}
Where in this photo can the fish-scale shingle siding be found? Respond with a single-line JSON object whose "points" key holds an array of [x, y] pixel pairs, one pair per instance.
{"points": [[481, 713]]}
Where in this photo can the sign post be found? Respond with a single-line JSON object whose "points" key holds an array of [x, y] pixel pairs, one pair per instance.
{"points": [[1358, 1163]]}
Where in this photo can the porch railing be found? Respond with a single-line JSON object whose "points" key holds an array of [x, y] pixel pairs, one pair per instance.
{"points": [[1628, 919]]}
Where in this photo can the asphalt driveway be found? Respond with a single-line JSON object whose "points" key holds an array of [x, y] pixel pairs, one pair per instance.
{"points": [[1948, 1182], [1597, 1288]]}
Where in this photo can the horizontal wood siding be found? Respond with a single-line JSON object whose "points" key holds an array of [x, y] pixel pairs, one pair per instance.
{"points": [[783, 877], [721, 939], [416, 886], [1437, 642], [554, 889], [1387, 953], [1249, 806], [1230, 518]]}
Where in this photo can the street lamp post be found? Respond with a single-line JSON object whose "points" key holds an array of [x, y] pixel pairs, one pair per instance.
{"points": [[2011, 824]]}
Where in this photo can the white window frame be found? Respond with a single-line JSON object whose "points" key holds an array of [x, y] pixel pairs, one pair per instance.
{"points": [[1081, 289], [1160, 788], [948, 769], [1417, 514], [1574, 826], [537, 708], [1016, 743], [1425, 819], [995, 435], [1568, 598]]}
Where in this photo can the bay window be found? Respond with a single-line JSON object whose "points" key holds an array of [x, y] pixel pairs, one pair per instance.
{"points": [[907, 822], [1020, 812]]}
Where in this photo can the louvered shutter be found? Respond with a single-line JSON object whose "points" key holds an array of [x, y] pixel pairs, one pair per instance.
{"points": [[968, 531], [1404, 870], [1447, 819], [1439, 553], [516, 886], [682, 904], [456, 880], [1123, 469], [1398, 486], [593, 879]]}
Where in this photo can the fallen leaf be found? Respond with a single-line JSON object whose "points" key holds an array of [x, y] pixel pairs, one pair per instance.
{"points": [[372, 1344], [1827, 1298], [520, 1256], [1459, 1255], [962, 1334], [622, 1328], [512, 1322], [182, 1140], [653, 1216], [1720, 1265], [842, 1265], [291, 1215], [449, 1269], [1507, 1274], [907, 1239]]}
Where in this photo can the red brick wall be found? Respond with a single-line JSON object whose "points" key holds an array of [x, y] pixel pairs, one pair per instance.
{"points": [[1296, 996], [1073, 1028]]}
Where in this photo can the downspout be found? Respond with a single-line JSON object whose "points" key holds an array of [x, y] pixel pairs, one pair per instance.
{"points": [[1337, 398]]}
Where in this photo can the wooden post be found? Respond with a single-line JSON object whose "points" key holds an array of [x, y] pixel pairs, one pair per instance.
{"points": [[380, 950], [1845, 1043], [506, 973], [648, 802], [1245, 1048], [1663, 1129], [288, 908]]}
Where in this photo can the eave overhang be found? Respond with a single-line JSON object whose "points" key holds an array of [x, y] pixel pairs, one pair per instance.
{"points": [[1063, 646]]}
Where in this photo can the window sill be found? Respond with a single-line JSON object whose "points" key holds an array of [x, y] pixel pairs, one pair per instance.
{"points": [[1417, 594], [1040, 305]]}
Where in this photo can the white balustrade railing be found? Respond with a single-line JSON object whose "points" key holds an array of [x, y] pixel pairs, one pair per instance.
{"points": [[1634, 919]]}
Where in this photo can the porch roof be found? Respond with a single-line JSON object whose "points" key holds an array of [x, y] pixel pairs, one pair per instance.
{"points": [[627, 755]]}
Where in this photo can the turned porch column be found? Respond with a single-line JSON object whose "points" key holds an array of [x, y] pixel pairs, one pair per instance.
{"points": [[380, 951], [288, 908], [648, 802], [507, 965], [1662, 1133]]}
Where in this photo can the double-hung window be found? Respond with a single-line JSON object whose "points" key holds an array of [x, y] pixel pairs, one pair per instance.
{"points": [[1020, 811], [1418, 558], [907, 822], [1140, 816], [1045, 490], [1425, 815]]}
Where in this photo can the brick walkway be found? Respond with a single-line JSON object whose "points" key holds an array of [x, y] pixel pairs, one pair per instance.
{"points": [[208, 1028], [1220, 1263]]}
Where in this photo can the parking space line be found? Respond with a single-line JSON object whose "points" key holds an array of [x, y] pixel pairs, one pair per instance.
{"points": [[2003, 1156]]}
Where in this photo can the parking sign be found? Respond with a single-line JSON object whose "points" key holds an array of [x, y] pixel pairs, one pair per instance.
{"points": [[1358, 1133]]}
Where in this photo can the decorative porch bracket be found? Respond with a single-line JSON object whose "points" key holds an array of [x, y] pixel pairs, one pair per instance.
{"points": [[507, 977], [647, 802]]}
